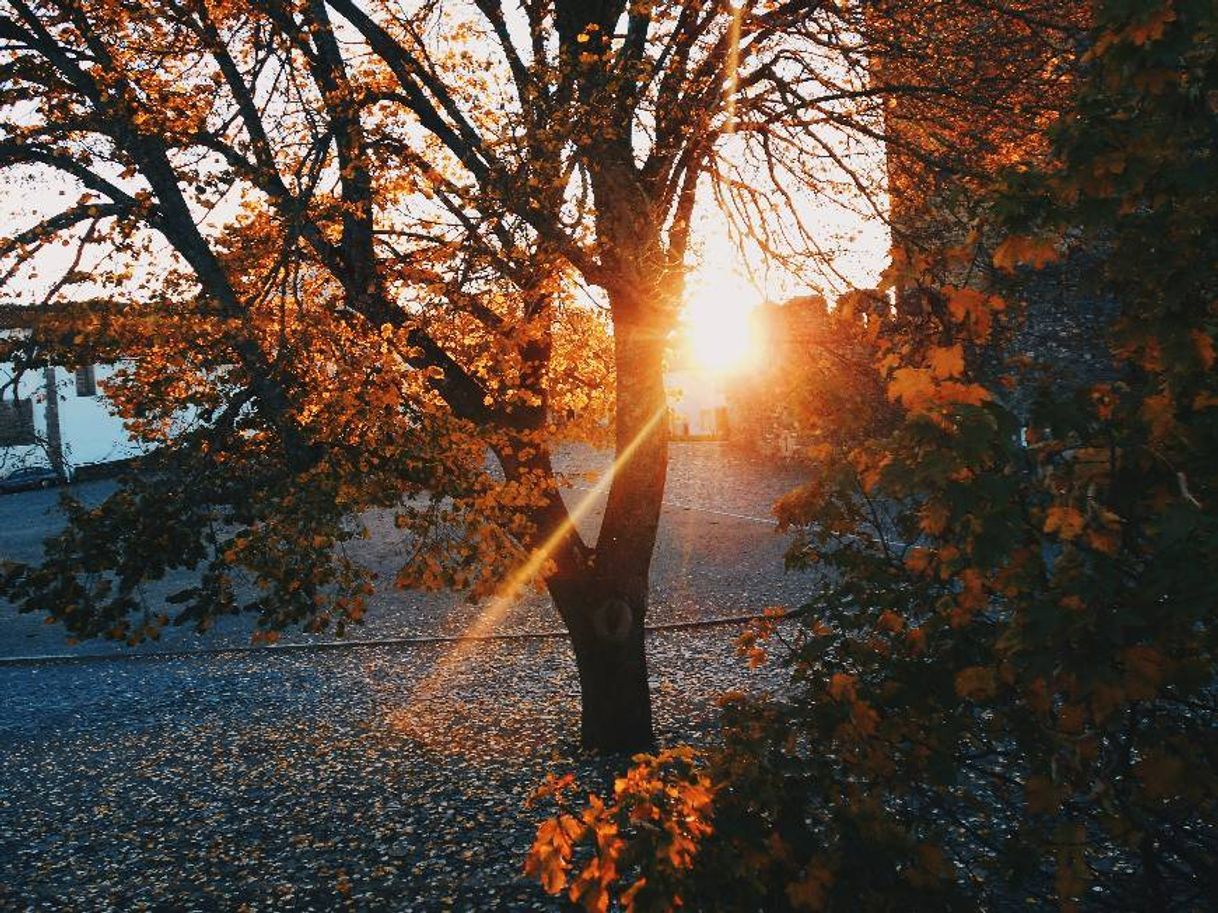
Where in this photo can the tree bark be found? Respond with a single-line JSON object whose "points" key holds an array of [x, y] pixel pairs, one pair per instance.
{"points": [[604, 615], [601, 593], [607, 636]]}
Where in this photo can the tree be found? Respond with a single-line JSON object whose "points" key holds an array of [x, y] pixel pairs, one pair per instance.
{"points": [[1005, 691], [380, 221]]}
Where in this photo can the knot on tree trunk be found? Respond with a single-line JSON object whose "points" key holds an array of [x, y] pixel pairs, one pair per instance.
{"points": [[612, 620]]}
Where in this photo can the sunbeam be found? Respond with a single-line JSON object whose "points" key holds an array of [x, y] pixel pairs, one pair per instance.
{"points": [[498, 606], [731, 81]]}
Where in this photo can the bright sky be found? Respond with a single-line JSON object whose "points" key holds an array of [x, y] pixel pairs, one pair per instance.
{"points": [[722, 294]]}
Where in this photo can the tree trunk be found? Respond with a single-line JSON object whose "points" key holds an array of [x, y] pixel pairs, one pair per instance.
{"points": [[601, 592], [606, 627], [605, 607], [603, 614]]}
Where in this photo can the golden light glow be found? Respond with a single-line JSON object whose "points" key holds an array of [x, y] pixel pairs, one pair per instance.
{"points": [[720, 333], [721, 342], [510, 591]]}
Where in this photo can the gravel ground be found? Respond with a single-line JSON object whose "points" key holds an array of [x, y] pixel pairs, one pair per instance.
{"points": [[718, 555], [367, 777]]}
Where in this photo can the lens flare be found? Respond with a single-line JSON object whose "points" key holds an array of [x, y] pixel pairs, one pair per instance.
{"points": [[453, 659]]}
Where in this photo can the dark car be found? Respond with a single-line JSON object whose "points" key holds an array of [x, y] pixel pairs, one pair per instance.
{"points": [[27, 478]]}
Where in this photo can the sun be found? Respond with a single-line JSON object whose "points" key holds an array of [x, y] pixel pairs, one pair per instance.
{"points": [[720, 332], [720, 339]]}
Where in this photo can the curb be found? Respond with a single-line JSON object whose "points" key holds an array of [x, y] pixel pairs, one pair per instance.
{"points": [[320, 646]]}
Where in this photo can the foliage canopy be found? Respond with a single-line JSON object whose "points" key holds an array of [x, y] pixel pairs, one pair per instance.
{"points": [[347, 248]]}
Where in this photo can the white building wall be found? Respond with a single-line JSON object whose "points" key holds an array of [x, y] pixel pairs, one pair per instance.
{"points": [[694, 398], [90, 431]]}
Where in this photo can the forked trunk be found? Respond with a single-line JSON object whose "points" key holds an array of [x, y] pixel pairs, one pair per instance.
{"points": [[601, 592]]}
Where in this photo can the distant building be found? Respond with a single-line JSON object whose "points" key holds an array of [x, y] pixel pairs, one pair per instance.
{"points": [[762, 409], [698, 406], [54, 416], [60, 418]]}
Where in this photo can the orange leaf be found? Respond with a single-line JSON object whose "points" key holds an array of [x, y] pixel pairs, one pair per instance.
{"points": [[864, 717], [890, 621], [947, 361], [933, 518], [841, 686], [1158, 412], [1067, 522], [629, 894], [809, 893], [918, 559], [976, 683], [976, 308], [1017, 249], [1205, 348], [911, 385], [952, 393]]}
